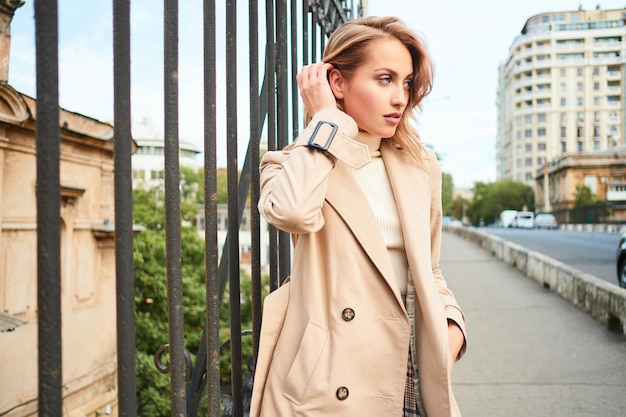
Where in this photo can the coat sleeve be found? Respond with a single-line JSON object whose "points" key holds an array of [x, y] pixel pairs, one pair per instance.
{"points": [[452, 308], [294, 181]]}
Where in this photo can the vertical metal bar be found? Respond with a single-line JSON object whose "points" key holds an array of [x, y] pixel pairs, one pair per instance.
{"points": [[172, 212], [255, 136], [282, 118], [48, 137], [233, 224], [124, 268], [305, 32], [294, 69], [213, 299], [270, 69], [314, 24]]}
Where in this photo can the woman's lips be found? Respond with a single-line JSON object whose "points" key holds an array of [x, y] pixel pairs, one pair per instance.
{"points": [[393, 118]]}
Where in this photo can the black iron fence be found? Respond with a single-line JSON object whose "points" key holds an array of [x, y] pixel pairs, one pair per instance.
{"points": [[294, 33]]}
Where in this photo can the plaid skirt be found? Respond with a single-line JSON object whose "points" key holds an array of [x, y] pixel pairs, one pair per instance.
{"points": [[410, 402]]}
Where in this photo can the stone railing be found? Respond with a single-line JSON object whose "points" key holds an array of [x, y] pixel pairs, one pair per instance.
{"points": [[600, 299]]}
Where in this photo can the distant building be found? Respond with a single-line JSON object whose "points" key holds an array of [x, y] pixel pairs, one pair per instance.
{"points": [[148, 162], [87, 246], [561, 91], [603, 172]]}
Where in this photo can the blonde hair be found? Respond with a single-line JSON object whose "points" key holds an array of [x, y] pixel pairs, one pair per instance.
{"points": [[347, 49]]}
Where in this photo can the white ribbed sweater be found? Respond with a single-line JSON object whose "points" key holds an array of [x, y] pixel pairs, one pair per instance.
{"points": [[375, 184]]}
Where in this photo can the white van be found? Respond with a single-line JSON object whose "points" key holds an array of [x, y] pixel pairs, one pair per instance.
{"points": [[507, 218], [525, 220]]}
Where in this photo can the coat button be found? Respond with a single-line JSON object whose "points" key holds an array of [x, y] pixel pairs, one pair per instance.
{"points": [[342, 393], [347, 314]]}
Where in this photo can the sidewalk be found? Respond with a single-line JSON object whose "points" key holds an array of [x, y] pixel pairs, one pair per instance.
{"points": [[530, 353]]}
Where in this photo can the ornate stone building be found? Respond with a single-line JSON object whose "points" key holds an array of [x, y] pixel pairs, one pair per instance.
{"points": [[87, 251]]}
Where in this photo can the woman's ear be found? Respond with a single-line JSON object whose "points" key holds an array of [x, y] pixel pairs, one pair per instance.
{"points": [[337, 83]]}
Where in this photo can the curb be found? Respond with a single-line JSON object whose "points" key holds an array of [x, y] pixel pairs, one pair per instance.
{"points": [[601, 300]]}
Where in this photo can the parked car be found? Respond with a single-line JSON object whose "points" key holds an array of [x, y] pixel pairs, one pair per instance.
{"points": [[545, 221], [620, 261], [524, 220]]}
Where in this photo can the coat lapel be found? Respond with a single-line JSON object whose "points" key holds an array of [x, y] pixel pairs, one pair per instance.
{"points": [[411, 189], [346, 197]]}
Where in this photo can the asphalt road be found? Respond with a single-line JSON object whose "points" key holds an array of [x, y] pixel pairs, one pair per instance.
{"points": [[591, 252]]}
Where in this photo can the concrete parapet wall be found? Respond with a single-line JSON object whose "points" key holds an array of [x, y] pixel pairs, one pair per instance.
{"points": [[600, 227], [603, 301]]}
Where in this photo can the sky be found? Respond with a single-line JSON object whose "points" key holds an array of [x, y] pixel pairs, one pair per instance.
{"points": [[467, 41]]}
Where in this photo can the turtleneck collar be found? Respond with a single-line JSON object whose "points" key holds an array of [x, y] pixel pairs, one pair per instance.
{"points": [[372, 142]]}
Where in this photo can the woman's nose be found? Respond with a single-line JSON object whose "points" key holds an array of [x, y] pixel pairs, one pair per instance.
{"points": [[400, 95]]}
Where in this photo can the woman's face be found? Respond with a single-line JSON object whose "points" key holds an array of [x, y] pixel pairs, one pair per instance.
{"points": [[378, 91]]}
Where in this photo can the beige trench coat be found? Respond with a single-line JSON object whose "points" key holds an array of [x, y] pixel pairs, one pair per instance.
{"points": [[341, 348]]}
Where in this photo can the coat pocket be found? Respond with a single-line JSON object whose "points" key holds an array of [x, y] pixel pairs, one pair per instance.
{"points": [[274, 311], [305, 362]]}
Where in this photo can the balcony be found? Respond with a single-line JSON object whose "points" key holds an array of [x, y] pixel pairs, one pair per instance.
{"points": [[613, 75]]}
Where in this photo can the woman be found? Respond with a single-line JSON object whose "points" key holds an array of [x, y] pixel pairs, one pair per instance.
{"points": [[370, 327]]}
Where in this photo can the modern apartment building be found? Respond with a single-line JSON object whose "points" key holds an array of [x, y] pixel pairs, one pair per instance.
{"points": [[561, 90]]}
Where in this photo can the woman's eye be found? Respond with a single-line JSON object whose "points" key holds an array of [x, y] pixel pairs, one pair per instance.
{"points": [[385, 80], [408, 84]]}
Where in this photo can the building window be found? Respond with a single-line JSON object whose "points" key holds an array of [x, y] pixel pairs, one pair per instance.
{"points": [[590, 181], [563, 87], [139, 174], [529, 147], [563, 72], [579, 101], [596, 86], [596, 100], [528, 118], [156, 175], [518, 163], [518, 135], [529, 176], [596, 131], [540, 160], [580, 117], [596, 116], [563, 117], [579, 72], [541, 117], [563, 101], [579, 132], [541, 146], [596, 145], [579, 146], [563, 147], [579, 86], [528, 162], [563, 132], [596, 71], [541, 131], [528, 133]]}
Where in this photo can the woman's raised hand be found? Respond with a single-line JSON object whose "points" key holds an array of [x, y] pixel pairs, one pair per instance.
{"points": [[314, 87]]}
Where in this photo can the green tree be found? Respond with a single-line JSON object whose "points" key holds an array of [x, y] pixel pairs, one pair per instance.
{"points": [[584, 196], [447, 191], [491, 198], [151, 312], [457, 207], [588, 208], [151, 322]]}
